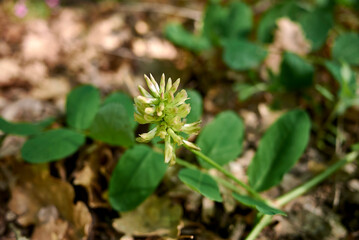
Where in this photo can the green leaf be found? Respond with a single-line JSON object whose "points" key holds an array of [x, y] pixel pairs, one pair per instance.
{"points": [[267, 23], [346, 48], [52, 145], [135, 177], [324, 92], [316, 25], [242, 55], [239, 21], [181, 37], [245, 90], [279, 149], [334, 69], [126, 102], [345, 76], [81, 106], [232, 21], [295, 72], [200, 182], [112, 125], [214, 22], [195, 100], [222, 139], [24, 129], [259, 205]]}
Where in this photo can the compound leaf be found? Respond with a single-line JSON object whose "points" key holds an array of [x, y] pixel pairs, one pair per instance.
{"points": [[135, 177], [52, 145], [279, 149], [112, 125], [24, 129], [81, 106], [259, 205], [222, 139], [201, 182]]}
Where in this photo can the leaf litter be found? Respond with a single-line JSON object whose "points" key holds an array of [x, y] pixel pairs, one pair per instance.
{"points": [[42, 59]]}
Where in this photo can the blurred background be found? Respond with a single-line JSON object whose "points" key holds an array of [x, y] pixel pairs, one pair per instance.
{"points": [[256, 57]]}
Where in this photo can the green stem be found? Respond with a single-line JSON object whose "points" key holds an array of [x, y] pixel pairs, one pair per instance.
{"points": [[226, 173], [227, 184], [327, 122], [284, 199], [186, 164], [265, 220], [220, 180]]}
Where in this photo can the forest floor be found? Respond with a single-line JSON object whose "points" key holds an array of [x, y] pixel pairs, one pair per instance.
{"points": [[111, 46]]}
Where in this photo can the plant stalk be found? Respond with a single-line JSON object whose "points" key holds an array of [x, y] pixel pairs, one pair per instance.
{"points": [[226, 173], [263, 222], [220, 180], [284, 199]]}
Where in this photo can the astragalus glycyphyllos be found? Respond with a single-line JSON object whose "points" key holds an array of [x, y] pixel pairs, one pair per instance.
{"points": [[167, 111]]}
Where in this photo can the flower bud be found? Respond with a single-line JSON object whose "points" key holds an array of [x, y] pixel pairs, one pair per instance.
{"points": [[152, 87], [150, 118], [191, 128], [183, 110], [143, 91], [191, 145], [169, 85], [162, 85], [147, 100], [175, 86], [160, 106], [149, 110], [155, 83], [170, 156], [174, 136], [180, 98], [140, 119], [146, 137]]}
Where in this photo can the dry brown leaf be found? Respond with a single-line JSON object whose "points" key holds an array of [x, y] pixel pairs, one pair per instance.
{"points": [[69, 27], [50, 227], [51, 88], [11, 146], [156, 216], [82, 221], [81, 59], [109, 33], [53, 230], [312, 225], [88, 178], [142, 27], [34, 189], [40, 43], [267, 116], [4, 49], [289, 36], [208, 210], [28, 109], [9, 70], [35, 72], [154, 48], [36, 194]]}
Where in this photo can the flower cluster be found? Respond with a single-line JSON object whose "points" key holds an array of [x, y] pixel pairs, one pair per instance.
{"points": [[167, 111]]}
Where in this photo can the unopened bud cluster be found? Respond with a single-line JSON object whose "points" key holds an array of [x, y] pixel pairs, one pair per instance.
{"points": [[167, 111]]}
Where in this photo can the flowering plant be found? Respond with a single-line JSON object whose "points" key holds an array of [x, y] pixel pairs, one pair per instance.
{"points": [[160, 106]]}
